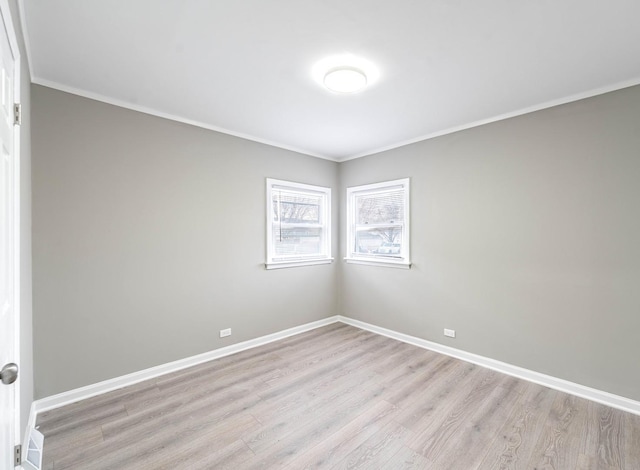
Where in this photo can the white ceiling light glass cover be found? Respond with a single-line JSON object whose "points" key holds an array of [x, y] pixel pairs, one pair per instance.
{"points": [[345, 80], [345, 73]]}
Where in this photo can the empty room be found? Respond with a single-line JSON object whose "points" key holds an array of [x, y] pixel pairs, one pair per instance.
{"points": [[320, 234]]}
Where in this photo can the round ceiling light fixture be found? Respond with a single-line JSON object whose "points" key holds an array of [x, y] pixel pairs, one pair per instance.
{"points": [[345, 74], [345, 80]]}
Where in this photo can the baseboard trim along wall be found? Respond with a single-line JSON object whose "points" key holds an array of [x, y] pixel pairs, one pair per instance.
{"points": [[599, 396], [72, 396]]}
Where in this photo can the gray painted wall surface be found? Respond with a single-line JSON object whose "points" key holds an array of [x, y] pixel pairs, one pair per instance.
{"points": [[148, 239], [26, 332], [525, 239]]}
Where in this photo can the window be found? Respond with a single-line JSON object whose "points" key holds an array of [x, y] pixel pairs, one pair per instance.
{"points": [[298, 224], [378, 224]]}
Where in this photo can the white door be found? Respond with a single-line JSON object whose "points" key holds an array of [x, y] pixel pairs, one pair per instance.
{"points": [[9, 246]]}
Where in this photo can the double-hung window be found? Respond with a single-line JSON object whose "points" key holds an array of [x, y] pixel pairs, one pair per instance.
{"points": [[298, 224], [378, 224]]}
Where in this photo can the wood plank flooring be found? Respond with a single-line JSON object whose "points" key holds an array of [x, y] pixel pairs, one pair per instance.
{"points": [[338, 398]]}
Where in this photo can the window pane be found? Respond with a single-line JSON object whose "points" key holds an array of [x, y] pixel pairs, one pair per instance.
{"points": [[385, 241], [295, 207], [378, 223], [298, 224], [302, 241], [380, 208]]}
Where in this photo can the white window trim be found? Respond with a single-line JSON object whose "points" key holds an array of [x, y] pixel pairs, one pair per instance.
{"points": [[291, 262], [379, 262], [404, 261]]}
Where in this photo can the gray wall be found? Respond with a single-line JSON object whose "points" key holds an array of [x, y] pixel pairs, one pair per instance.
{"points": [[26, 331], [525, 239], [148, 239]]}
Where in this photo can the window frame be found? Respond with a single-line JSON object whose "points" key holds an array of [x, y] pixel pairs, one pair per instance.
{"points": [[275, 261], [352, 256]]}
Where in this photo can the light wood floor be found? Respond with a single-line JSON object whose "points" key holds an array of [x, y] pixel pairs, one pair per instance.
{"points": [[338, 397]]}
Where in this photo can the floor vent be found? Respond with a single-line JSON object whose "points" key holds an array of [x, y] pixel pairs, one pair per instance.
{"points": [[33, 456]]}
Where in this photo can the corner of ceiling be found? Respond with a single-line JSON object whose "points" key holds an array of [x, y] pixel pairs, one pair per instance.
{"points": [[172, 117], [530, 109]]}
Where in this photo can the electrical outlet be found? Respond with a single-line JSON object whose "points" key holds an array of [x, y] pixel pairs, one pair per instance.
{"points": [[450, 333], [226, 332]]}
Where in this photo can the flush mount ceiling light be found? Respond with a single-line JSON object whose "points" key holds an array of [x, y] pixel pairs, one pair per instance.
{"points": [[345, 73], [345, 80]]}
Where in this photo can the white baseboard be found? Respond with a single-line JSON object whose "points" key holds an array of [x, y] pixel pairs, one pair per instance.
{"points": [[72, 396], [599, 396]]}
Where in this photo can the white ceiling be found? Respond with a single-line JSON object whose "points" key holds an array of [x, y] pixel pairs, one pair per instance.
{"points": [[244, 66]]}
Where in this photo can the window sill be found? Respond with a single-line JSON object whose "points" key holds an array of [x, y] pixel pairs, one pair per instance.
{"points": [[380, 262], [297, 263]]}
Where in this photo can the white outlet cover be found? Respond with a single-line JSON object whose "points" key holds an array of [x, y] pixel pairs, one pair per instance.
{"points": [[450, 333]]}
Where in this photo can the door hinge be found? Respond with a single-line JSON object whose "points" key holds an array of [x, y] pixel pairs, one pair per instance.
{"points": [[17, 455], [17, 114]]}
